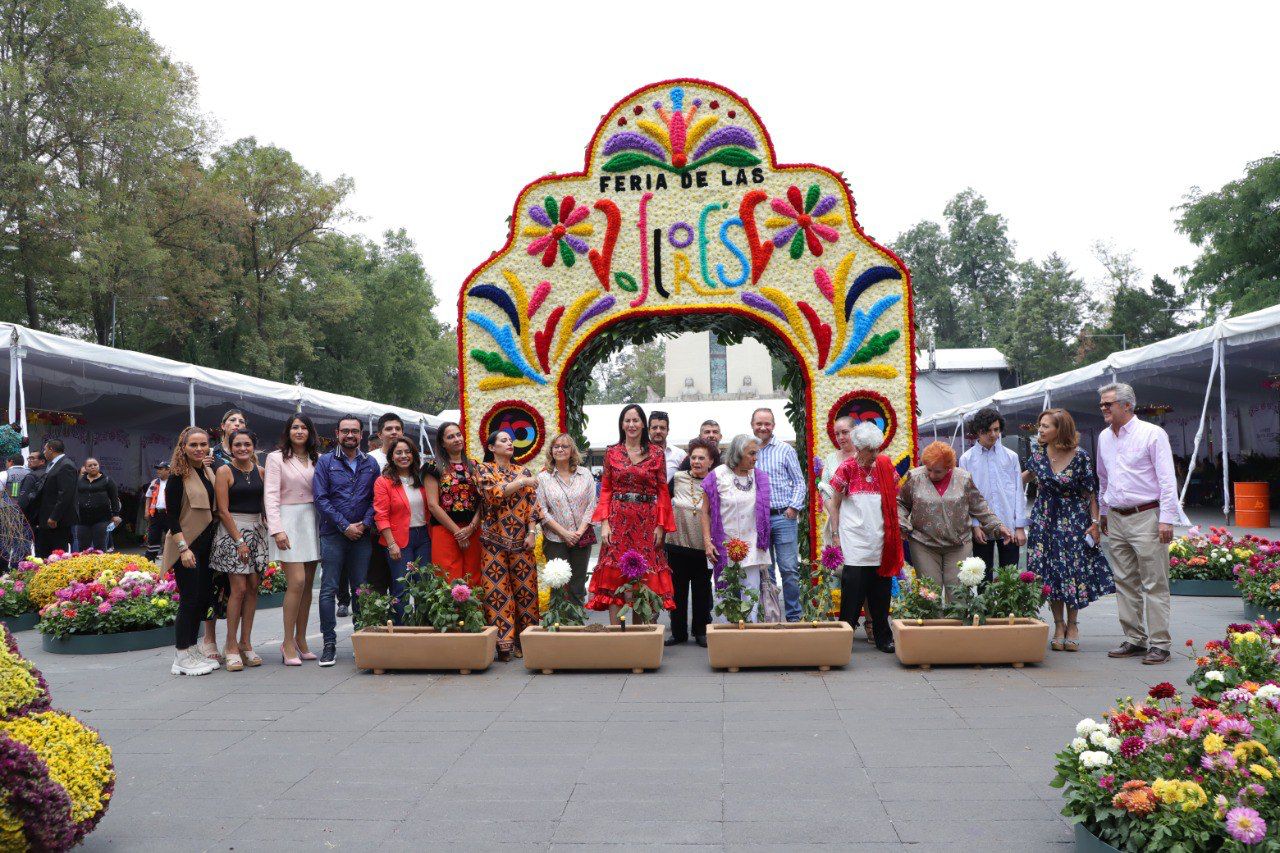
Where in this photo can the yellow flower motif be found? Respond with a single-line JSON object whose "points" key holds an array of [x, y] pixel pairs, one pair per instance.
{"points": [[12, 835], [1214, 743], [539, 558], [77, 758], [1259, 770]]}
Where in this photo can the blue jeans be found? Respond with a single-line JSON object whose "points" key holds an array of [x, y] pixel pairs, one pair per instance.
{"points": [[337, 553], [784, 550], [419, 548]]}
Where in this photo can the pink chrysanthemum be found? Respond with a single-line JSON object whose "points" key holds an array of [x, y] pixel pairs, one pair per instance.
{"points": [[461, 593], [1246, 825], [633, 565], [832, 558]]}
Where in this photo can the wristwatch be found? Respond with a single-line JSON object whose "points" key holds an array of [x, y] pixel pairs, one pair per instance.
{"points": [[239, 542]]}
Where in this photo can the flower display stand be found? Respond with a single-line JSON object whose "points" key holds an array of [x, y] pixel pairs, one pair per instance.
{"points": [[105, 644], [1219, 589], [1253, 613], [21, 622], [386, 647], [926, 642], [779, 644], [1087, 842], [638, 648]]}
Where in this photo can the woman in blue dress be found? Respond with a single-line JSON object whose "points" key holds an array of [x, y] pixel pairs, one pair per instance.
{"points": [[1063, 538]]}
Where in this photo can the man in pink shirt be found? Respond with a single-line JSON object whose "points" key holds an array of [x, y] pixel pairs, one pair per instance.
{"points": [[1138, 503]]}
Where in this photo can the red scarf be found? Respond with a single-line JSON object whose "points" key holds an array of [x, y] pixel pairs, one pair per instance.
{"points": [[887, 483]]}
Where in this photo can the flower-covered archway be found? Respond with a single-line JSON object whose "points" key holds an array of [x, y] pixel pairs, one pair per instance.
{"points": [[682, 209]]}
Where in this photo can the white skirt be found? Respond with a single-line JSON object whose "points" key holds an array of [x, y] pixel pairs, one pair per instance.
{"points": [[302, 526]]}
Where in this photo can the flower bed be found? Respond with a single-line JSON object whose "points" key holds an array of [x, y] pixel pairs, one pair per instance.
{"points": [[61, 570], [1161, 774], [17, 610], [1212, 557], [1248, 656], [133, 602], [1259, 580]]}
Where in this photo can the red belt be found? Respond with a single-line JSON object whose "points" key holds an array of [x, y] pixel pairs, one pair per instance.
{"points": [[1130, 510]]}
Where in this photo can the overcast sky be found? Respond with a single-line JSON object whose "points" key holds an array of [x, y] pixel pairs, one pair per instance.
{"points": [[1077, 121]]}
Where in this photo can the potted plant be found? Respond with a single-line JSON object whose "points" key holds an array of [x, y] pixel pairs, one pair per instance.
{"points": [[739, 643], [563, 640], [972, 625], [442, 626], [1206, 565], [111, 612], [1161, 774], [271, 587], [1248, 656], [1258, 580], [18, 612]]}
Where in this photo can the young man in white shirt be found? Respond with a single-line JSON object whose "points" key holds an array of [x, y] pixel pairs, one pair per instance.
{"points": [[997, 472]]}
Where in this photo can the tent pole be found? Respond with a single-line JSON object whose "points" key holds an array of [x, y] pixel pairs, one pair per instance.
{"points": [[191, 402], [1048, 402], [13, 377], [1204, 411], [1222, 413]]}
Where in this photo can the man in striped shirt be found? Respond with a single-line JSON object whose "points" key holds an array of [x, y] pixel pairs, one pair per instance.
{"points": [[787, 492]]}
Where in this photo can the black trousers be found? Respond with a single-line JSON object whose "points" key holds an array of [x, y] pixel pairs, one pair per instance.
{"points": [[49, 539], [690, 573], [195, 590], [578, 559], [1008, 554], [864, 583], [379, 576], [155, 533], [92, 535]]}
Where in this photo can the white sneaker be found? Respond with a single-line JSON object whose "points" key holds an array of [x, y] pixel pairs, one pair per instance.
{"points": [[189, 663], [199, 655]]}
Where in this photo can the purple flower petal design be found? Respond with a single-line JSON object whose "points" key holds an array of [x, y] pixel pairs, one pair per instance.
{"points": [[601, 305], [766, 305], [539, 215], [784, 236], [825, 205], [725, 136], [576, 243], [631, 141]]}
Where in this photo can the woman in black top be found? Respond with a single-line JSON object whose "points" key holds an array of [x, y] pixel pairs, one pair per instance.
{"points": [[187, 548], [98, 505], [240, 545]]}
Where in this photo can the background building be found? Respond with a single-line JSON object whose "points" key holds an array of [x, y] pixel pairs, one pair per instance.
{"points": [[698, 367]]}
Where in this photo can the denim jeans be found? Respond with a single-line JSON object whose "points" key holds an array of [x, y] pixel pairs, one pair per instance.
{"points": [[419, 548], [336, 553], [784, 550]]}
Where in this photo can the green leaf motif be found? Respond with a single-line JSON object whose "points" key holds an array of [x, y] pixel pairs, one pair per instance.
{"points": [[626, 281], [797, 244], [566, 254], [730, 156], [625, 161], [495, 363], [553, 210], [878, 345], [811, 198]]}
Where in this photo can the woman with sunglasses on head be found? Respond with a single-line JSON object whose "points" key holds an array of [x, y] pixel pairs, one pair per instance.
{"points": [[220, 455], [567, 497], [240, 545], [293, 525]]}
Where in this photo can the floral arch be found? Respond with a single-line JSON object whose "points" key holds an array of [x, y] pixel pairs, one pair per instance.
{"points": [[682, 211]]}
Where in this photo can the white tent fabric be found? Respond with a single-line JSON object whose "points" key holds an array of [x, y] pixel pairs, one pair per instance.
{"points": [[950, 377]]}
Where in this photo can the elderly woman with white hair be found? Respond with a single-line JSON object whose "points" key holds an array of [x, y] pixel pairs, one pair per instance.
{"points": [[737, 507], [865, 506]]}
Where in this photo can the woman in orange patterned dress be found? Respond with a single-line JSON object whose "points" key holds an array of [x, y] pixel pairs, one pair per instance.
{"points": [[507, 536], [634, 509]]}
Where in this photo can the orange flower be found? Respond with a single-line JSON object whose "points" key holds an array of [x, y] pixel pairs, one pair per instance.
{"points": [[1136, 798], [737, 550], [1251, 686]]}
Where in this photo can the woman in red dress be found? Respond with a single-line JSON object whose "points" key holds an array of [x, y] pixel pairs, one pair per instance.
{"points": [[635, 514]]}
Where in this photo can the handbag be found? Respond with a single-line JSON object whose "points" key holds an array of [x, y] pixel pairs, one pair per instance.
{"points": [[588, 536], [770, 597]]}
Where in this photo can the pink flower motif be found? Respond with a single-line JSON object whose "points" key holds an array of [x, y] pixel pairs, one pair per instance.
{"points": [[461, 593], [19, 586]]}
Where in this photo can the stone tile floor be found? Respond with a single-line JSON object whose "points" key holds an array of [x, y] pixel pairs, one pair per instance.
{"points": [[876, 756]]}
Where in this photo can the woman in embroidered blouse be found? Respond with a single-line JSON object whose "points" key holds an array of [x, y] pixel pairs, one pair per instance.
{"points": [[737, 507], [634, 509], [454, 501], [293, 525], [1064, 513], [934, 507], [507, 536], [864, 508], [686, 549], [567, 498]]}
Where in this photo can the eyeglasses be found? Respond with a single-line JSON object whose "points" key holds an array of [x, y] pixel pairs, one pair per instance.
{"points": [[1106, 407], [350, 431]]}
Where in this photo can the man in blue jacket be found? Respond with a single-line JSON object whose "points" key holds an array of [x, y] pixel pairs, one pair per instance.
{"points": [[343, 488]]}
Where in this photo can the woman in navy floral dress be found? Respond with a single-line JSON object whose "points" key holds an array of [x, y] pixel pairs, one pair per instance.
{"points": [[1064, 520]]}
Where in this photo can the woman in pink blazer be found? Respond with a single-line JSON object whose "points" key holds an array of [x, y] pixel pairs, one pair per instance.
{"points": [[400, 514], [293, 527]]}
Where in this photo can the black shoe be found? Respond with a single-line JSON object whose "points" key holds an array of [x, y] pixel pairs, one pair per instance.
{"points": [[887, 648], [702, 641], [672, 641], [343, 611], [329, 656]]}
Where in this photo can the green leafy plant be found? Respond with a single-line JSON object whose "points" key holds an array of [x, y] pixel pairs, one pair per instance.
{"points": [[736, 602], [558, 606], [14, 600], [374, 608], [918, 598], [455, 608], [1014, 593], [1248, 655], [642, 604]]}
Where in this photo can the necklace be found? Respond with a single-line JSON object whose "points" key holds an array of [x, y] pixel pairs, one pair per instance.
{"points": [[248, 475], [740, 485], [867, 472]]}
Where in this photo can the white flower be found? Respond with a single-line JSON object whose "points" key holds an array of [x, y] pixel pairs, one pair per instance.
{"points": [[556, 573], [1085, 727], [1214, 675], [1111, 744], [1079, 744], [133, 577], [1267, 691], [972, 571], [1094, 760], [1098, 737]]}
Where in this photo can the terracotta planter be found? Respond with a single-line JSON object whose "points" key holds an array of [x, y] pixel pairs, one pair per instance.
{"points": [[925, 642], [785, 644], [1253, 613], [1216, 589], [1087, 842], [592, 647], [384, 648]]}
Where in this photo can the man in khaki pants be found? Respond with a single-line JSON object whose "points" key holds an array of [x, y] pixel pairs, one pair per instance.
{"points": [[1138, 502]]}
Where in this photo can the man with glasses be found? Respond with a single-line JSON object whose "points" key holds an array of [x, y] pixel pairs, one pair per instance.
{"points": [[343, 489], [1138, 505], [659, 426]]}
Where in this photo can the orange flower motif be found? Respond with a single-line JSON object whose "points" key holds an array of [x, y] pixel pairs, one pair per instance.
{"points": [[737, 550]]}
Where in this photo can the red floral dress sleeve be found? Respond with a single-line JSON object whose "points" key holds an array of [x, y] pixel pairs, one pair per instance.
{"points": [[666, 517], [606, 489]]}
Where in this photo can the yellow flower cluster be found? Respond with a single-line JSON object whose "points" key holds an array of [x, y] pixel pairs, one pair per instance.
{"points": [[544, 599], [12, 835], [539, 557], [1189, 794], [54, 576], [1246, 637], [1213, 744], [835, 602], [1249, 749], [18, 684], [77, 758]]}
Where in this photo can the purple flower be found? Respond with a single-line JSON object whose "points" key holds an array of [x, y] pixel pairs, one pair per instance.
{"points": [[1244, 728], [1155, 732], [1246, 825], [1236, 696], [832, 558], [633, 565], [1132, 746]]}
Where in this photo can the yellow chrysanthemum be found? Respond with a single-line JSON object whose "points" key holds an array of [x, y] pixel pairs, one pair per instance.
{"points": [[54, 576], [12, 835], [18, 684], [1259, 770], [1213, 743], [1247, 749], [77, 758], [539, 557], [544, 599]]}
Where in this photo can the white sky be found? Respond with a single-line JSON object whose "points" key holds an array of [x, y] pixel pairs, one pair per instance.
{"points": [[1078, 122]]}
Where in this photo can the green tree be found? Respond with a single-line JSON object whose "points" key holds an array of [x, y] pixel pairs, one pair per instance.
{"points": [[629, 374], [1141, 316], [1238, 228], [1041, 339], [923, 247]]}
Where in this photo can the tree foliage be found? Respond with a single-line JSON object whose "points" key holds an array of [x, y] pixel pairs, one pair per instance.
{"points": [[629, 373]]}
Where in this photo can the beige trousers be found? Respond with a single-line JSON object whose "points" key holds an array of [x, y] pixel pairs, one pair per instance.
{"points": [[1140, 564], [941, 565]]}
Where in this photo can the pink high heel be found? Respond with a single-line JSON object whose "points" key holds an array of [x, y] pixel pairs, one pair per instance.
{"points": [[289, 661], [308, 656]]}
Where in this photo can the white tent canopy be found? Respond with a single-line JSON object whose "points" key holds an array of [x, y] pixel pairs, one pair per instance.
{"points": [[949, 377]]}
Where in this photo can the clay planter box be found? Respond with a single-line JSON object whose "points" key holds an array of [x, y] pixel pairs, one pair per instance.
{"points": [[592, 647], [104, 644], [1087, 842], [781, 644], [1219, 589], [925, 642], [384, 648], [21, 622], [1253, 613]]}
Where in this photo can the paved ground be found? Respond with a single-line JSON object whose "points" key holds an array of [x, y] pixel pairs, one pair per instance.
{"points": [[876, 756]]}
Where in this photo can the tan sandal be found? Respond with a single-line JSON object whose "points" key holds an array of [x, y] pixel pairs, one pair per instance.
{"points": [[1072, 645], [250, 656], [234, 662], [1057, 643]]}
